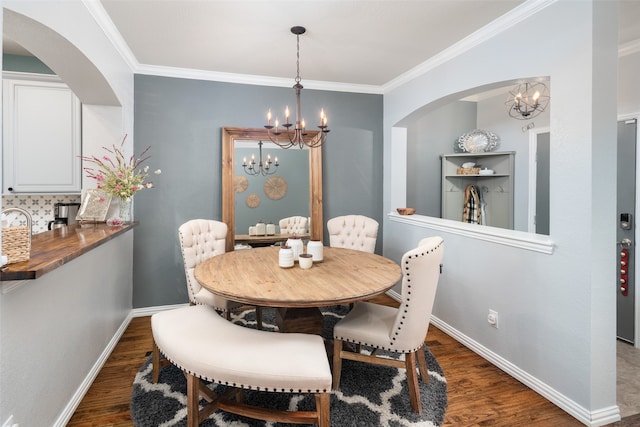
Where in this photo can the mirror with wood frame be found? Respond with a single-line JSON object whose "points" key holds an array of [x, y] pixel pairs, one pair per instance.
{"points": [[229, 137]]}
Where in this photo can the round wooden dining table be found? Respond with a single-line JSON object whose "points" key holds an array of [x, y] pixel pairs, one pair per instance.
{"points": [[253, 276]]}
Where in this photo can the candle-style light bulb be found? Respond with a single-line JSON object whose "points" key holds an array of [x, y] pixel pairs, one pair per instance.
{"points": [[286, 115], [304, 125], [269, 117], [244, 161]]}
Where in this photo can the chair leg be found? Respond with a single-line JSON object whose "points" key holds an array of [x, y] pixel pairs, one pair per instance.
{"points": [[193, 395], [156, 363], [422, 364], [259, 317], [337, 363], [323, 405], [412, 381]]}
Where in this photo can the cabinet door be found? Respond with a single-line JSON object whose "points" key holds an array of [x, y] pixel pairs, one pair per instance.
{"points": [[42, 142]]}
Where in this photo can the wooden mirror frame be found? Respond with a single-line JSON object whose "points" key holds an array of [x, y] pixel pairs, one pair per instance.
{"points": [[229, 136]]}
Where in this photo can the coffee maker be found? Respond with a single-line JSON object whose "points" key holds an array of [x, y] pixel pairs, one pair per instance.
{"points": [[64, 214]]}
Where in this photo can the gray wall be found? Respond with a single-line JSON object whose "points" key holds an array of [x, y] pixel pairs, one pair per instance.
{"points": [[182, 119], [24, 64], [294, 169], [429, 136]]}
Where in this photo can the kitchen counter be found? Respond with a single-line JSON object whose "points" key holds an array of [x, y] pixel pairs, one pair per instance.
{"points": [[53, 249]]}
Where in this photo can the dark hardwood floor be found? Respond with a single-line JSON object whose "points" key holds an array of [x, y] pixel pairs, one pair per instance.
{"points": [[479, 393]]}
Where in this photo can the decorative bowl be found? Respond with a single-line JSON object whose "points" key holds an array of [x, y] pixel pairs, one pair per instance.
{"points": [[486, 172], [406, 211]]}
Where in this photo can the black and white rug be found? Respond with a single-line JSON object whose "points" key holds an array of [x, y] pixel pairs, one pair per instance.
{"points": [[369, 395]]}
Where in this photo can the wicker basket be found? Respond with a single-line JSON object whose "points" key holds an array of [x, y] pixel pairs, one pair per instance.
{"points": [[16, 240], [468, 171]]}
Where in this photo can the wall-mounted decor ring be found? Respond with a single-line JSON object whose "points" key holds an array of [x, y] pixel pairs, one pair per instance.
{"points": [[275, 187], [253, 200], [240, 183]]}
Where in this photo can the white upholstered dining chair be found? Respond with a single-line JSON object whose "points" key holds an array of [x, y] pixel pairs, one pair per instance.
{"points": [[353, 232], [357, 232], [293, 225], [399, 330], [201, 239]]}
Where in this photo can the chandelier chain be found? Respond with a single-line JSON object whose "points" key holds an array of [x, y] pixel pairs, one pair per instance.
{"points": [[295, 134], [298, 79]]}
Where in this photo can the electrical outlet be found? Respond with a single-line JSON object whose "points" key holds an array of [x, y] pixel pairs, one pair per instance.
{"points": [[492, 318]]}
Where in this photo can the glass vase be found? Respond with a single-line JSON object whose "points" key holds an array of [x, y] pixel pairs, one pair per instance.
{"points": [[125, 209]]}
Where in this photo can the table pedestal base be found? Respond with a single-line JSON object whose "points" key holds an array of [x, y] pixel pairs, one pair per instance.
{"points": [[304, 320]]}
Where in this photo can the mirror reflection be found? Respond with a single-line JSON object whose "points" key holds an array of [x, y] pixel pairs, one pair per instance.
{"points": [[287, 185], [506, 186], [277, 193]]}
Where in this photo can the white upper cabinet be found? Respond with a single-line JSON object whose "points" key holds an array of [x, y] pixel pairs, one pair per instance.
{"points": [[41, 138]]}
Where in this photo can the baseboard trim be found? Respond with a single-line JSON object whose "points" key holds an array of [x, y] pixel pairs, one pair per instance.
{"points": [[71, 407], [591, 418], [148, 311]]}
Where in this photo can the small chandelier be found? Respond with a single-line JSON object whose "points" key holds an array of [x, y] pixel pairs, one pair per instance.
{"points": [[261, 168], [527, 100], [296, 136]]}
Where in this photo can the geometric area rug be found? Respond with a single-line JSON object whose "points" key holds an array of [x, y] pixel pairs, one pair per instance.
{"points": [[369, 395]]}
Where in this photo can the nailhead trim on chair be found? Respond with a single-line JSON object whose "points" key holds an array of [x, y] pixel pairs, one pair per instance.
{"points": [[403, 307], [243, 386]]}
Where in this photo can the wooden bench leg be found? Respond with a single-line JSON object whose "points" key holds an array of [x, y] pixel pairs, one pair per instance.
{"points": [[323, 407], [156, 363], [193, 395]]}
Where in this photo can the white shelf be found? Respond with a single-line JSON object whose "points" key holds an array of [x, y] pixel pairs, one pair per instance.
{"points": [[497, 189]]}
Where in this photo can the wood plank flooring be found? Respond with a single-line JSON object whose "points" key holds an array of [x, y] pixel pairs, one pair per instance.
{"points": [[479, 393]]}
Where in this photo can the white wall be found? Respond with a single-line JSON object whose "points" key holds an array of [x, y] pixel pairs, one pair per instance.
{"points": [[628, 88], [55, 329], [52, 330], [557, 311]]}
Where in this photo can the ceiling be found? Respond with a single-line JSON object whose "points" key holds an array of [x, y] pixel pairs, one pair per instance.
{"points": [[348, 42]]}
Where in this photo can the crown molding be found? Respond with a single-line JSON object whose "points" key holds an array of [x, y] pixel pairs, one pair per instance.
{"points": [[188, 73], [497, 26], [103, 20], [504, 22]]}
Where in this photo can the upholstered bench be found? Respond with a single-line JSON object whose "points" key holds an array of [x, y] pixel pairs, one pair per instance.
{"points": [[206, 346]]}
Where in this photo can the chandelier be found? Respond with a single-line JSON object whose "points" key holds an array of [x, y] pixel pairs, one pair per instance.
{"points": [[527, 100], [295, 133], [261, 168]]}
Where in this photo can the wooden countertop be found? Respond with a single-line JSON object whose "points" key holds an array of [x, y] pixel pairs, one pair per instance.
{"points": [[53, 249]]}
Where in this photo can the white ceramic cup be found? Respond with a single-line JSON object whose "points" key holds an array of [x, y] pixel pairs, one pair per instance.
{"points": [[305, 260]]}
